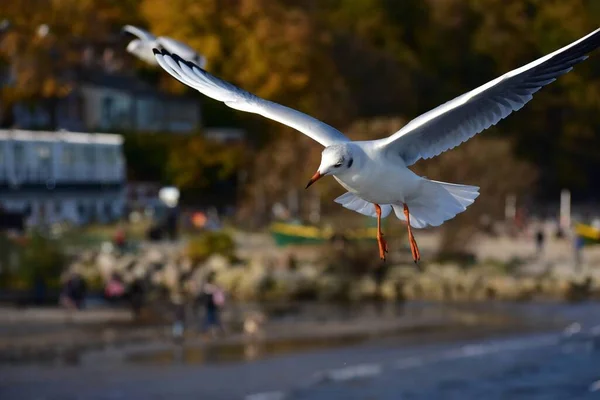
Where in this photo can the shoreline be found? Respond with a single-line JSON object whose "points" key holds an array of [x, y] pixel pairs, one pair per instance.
{"points": [[412, 323]]}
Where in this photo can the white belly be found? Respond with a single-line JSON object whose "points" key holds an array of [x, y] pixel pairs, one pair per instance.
{"points": [[382, 183]]}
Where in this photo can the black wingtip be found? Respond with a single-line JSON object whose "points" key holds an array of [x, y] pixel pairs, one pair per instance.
{"points": [[179, 60]]}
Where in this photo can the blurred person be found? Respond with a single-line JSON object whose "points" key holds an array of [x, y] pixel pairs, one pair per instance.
{"points": [[114, 289], [120, 239], [178, 327], [212, 298], [171, 224], [74, 292], [539, 241], [137, 292]]}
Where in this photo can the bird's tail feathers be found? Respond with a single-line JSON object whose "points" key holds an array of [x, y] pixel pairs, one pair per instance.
{"points": [[437, 203]]}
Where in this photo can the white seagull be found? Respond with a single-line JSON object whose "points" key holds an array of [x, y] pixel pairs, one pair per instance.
{"points": [[375, 172], [145, 42]]}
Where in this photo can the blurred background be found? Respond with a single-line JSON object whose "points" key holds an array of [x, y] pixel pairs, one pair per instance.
{"points": [[157, 244]]}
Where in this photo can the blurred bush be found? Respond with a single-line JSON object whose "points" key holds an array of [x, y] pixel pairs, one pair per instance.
{"points": [[8, 260], [199, 248], [40, 260]]}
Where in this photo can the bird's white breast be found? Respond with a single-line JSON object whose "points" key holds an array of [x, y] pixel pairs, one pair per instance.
{"points": [[380, 181]]}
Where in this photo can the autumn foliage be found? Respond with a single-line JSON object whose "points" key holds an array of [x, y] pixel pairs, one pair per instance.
{"points": [[342, 61]]}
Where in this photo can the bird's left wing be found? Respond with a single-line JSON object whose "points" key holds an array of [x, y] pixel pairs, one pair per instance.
{"points": [[458, 120], [139, 32], [181, 49], [234, 97]]}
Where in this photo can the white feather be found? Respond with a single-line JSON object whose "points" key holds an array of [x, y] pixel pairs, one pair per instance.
{"points": [[355, 203]]}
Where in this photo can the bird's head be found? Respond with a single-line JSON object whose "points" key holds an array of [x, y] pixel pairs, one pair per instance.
{"points": [[134, 46], [335, 160]]}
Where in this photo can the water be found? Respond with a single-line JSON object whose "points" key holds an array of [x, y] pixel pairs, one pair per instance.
{"points": [[551, 365], [537, 368]]}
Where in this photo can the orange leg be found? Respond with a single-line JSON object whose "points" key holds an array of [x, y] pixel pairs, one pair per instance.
{"points": [[414, 249], [383, 247]]}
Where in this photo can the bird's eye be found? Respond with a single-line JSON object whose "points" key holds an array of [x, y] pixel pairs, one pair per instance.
{"points": [[337, 165]]}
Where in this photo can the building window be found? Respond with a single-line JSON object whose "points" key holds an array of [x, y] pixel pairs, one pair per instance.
{"points": [[68, 156], [108, 211], [109, 156], [43, 151], [90, 155], [44, 161], [19, 154]]}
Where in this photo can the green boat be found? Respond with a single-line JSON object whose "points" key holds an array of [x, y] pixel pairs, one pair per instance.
{"points": [[590, 234], [286, 234]]}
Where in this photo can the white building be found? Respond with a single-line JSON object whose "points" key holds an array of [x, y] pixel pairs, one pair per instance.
{"points": [[62, 176]]}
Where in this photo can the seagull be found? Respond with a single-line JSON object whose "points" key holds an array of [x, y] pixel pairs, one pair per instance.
{"points": [[375, 173], [145, 42]]}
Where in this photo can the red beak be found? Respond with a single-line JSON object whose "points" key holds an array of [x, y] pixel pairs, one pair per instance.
{"points": [[314, 178]]}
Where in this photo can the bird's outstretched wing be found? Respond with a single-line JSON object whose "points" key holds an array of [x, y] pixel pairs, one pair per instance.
{"points": [[140, 33], [181, 49], [458, 120], [234, 97]]}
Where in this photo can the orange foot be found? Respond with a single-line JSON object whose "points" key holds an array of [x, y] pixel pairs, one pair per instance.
{"points": [[414, 249], [383, 246]]}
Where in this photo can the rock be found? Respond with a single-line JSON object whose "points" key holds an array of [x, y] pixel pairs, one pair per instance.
{"points": [[186, 265], [106, 264], [391, 290], [157, 278], [125, 263], [331, 287], [170, 277], [88, 257], [229, 279], [154, 256], [216, 263], [364, 288]]}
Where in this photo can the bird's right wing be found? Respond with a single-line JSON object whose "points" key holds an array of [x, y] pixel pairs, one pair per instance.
{"points": [[140, 33], [460, 119], [234, 97]]}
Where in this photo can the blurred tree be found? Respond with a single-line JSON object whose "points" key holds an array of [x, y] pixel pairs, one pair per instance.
{"points": [[41, 259], [557, 130], [205, 171], [147, 156], [45, 42], [339, 60], [269, 47], [198, 163]]}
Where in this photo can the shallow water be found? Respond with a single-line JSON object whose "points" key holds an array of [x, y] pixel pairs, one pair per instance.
{"points": [[523, 366], [536, 368]]}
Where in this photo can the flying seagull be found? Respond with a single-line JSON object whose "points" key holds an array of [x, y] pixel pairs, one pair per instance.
{"points": [[375, 173], [145, 42]]}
